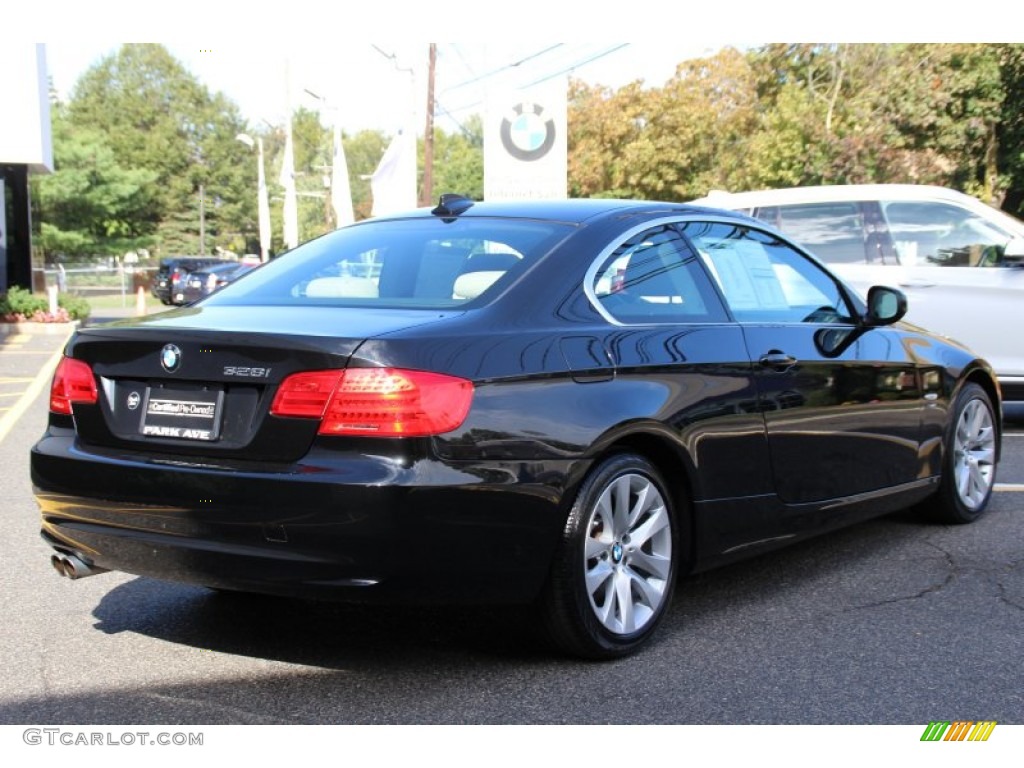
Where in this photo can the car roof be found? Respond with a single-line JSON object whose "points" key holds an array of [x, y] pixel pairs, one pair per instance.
{"points": [[172, 260], [834, 193], [222, 266], [570, 210]]}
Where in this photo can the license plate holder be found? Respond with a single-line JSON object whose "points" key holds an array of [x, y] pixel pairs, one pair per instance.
{"points": [[182, 414]]}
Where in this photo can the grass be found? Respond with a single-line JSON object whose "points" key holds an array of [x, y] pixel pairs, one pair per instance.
{"points": [[117, 301]]}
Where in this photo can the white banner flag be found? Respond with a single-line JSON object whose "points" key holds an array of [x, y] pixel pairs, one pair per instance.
{"points": [[291, 201], [394, 181], [341, 191], [264, 209]]}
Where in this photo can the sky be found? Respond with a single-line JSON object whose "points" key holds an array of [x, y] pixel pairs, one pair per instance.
{"points": [[265, 56], [381, 85]]}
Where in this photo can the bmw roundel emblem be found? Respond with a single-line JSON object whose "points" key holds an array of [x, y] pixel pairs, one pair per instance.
{"points": [[526, 134], [170, 358]]}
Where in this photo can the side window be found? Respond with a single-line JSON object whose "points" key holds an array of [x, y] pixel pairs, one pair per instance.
{"points": [[939, 234], [655, 278], [764, 279], [837, 233]]}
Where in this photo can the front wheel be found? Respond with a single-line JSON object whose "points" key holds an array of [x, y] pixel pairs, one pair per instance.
{"points": [[969, 463], [616, 564]]}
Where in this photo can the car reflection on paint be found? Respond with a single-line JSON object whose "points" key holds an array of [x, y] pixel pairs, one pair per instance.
{"points": [[568, 404], [202, 282]]}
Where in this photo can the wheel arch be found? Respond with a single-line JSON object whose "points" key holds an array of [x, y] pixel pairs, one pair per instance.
{"points": [[987, 382], [677, 470]]}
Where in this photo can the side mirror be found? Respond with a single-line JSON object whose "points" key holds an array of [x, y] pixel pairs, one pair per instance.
{"points": [[885, 306], [1014, 251]]}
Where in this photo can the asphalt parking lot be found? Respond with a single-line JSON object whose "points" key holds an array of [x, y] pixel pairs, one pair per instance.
{"points": [[892, 621]]}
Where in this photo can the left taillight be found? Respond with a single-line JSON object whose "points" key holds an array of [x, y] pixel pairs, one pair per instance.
{"points": [[380, 402], [73, 382]]}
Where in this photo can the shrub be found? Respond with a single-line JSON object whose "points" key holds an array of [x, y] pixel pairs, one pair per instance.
{"points": [[20, 304]]}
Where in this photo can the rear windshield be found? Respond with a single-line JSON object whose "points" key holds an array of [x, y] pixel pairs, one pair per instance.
{"points": [[411, 263]]}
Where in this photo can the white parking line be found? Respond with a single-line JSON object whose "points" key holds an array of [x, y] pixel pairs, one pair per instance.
{"points": [[38, 385]]}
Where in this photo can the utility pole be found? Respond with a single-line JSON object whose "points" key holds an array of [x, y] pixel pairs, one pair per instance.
{"points": [[202, 220], [428, 135]]}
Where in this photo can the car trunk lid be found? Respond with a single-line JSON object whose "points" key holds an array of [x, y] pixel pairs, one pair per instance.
{"points": [[200, 381]]}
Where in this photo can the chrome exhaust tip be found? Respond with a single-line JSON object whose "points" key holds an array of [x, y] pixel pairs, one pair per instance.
{"points": [[73, 567], [58, 565]]}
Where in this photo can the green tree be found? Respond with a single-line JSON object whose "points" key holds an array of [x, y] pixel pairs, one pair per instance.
{"points": [[90, 205], [363, 153], [156, 115], [1010, 130], [603, 125], [670, 143], [916, 113], [459, 160]]}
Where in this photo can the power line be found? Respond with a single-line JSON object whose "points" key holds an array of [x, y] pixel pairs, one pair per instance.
{"points": [[579, 64], [479, 102], [393, 57], [499, 70]]}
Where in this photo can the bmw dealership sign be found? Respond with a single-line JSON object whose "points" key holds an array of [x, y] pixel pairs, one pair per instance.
{"points": [[525, 150]]}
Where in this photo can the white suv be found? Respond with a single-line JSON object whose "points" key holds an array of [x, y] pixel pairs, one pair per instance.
{"points": [[960, 262]]}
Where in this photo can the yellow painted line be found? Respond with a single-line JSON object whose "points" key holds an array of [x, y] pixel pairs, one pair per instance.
{"points": [[23, 352], [1009, 487], [39, 384], [21, 380], [10, 394], [18, 338]]}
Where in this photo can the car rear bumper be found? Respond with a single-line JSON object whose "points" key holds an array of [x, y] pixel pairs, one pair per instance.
{"points": [[346, 526], [1012, 388]]}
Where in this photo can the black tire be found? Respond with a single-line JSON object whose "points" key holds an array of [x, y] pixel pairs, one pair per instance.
{"points": [[969, 459], [612, 579]]}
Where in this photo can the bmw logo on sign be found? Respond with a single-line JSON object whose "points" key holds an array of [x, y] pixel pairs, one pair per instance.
{"points": [[526, 134], [525, 146], [170, 358]]}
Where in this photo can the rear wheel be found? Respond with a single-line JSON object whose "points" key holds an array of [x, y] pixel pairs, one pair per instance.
{"points": [[969, 464], [616, 563]]}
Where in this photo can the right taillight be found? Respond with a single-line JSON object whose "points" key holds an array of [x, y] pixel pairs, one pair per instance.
{"points": [[73, 382], [379, 402]]}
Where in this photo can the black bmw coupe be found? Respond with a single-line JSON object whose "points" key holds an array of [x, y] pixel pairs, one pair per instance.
{"points": [[564, 403]]}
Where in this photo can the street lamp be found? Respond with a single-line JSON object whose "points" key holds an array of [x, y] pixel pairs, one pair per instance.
{"points": [[262, 200]]}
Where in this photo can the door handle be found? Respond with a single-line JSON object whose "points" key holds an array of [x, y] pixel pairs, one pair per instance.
{"points": [[777, 361], [916, 284]]}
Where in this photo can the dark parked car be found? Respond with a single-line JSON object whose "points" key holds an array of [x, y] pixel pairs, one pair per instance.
{"points": [[169, 282], [566, 403], [203, 282]]}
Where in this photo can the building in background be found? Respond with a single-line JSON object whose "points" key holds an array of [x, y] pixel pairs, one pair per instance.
{"points": [[26, 148]]}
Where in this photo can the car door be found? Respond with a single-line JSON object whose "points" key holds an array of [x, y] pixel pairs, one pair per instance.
{"points": [[679, 361], [842, 403], [946, 258]]}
